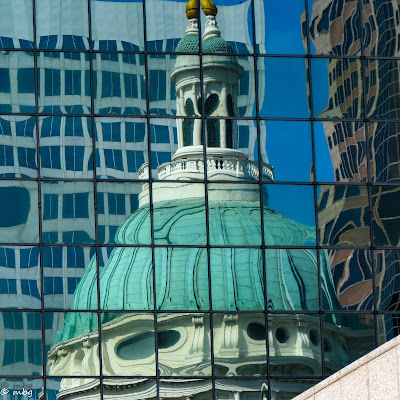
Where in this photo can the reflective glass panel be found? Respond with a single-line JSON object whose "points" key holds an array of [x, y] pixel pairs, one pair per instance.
{"points": [[337, 88], [279, 28], [17, 85], [285, 331], [282, 87], [355, 339], [163, 70], [387, 270], [21, 342], [123, 213], [381, 88], [240, 345], [292, 138], [62, 24], [165, 136], [64, 83], [289, 215], [18, 147], [292, 280], [183, 342], [19, 212], [28, 388], [112, 27], [383, 141], [66, 147], [340, 151], [63, 272], [237, 279], [79, 356], [385, 218], [352, 273], [16, 25], [179, 220], [119, 87], [128, 344], [335, 27], [343, 215], [121, 148], [181, 278], [67, 212], [293, 387], [20, 277], [122, 286], [232, 209]]}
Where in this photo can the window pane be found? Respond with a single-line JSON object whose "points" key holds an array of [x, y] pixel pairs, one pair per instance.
{"points": [[122, 148], [17, 84], [64, 83], [112, 27], [118, 83], [18, 147], [19, 212], [285, 93], [66, 147], [67, 212], [343, 215], [62, 24]]}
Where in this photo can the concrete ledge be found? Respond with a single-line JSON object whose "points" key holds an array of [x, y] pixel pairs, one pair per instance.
{"points": [[374, 377]]}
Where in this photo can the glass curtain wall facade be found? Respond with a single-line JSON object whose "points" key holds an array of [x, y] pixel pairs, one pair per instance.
{"points": [[201, 205]]}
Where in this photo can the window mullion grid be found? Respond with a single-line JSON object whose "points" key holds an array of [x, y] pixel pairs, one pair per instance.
{"points": [[150, 188], [40, 225], [315, 183], [204, 140], [261, 197], [95, 203], [369, 183]]}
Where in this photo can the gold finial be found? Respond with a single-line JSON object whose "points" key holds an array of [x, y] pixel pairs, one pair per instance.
{"points": [[191, 9], [208, 7]]}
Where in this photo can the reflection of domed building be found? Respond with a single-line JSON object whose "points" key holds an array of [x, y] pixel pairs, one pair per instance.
{"points": [[192, 279]]}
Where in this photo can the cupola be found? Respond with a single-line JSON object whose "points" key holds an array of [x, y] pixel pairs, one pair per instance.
{"points": [[221, 74]]}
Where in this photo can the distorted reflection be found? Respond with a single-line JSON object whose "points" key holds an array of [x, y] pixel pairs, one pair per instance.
{"points": [[359, 152], [191, 280]]}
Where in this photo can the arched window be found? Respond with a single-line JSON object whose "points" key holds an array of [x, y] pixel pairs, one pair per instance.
{"points": [[188, 124], [229, 123], [213, 126]]}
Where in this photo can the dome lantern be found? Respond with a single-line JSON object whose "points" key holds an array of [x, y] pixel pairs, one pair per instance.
{"points": [[221, 74]]}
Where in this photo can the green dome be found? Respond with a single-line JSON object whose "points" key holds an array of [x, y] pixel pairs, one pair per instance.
{"points": [[215, 44], [188, 44], [181, 274]]}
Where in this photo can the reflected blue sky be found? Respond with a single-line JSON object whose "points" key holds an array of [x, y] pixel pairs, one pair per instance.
{"points": [[288, 145]]}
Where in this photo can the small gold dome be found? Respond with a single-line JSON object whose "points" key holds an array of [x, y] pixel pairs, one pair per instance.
{"points": [[208, 7], [191, 9]]}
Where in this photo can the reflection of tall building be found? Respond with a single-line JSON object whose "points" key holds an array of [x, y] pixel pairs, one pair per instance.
{"points": [[358, 149], [66, 142], [181, 283]]}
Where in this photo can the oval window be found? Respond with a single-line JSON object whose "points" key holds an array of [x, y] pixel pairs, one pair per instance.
{"points": [[282, 334], [138, 347], [256, 331], [167, 339]]}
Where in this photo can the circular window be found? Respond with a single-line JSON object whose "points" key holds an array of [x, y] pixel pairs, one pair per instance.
{"points": [[314, 337], [256, 331], [282, 334]]}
